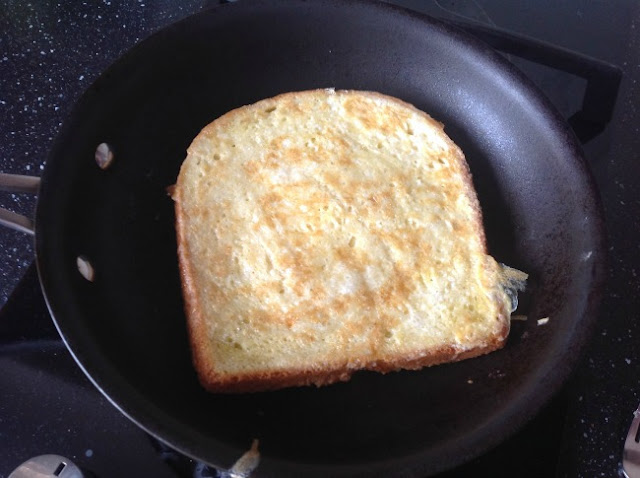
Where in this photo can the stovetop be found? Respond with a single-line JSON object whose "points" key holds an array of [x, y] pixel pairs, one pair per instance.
{"points": [[50, 52]]}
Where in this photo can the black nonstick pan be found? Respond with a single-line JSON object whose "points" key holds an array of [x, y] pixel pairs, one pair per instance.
{"points": [[126, 326]]}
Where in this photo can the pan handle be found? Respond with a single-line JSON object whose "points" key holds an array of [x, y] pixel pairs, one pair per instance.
{"points": [[17, 183], [603, 79]]}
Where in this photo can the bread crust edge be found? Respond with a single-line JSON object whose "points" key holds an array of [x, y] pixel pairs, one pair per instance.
{"points": [[196, 327], [298, 378]]}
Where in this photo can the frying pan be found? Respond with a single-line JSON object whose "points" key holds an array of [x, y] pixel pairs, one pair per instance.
{"points": [[126, 327]]}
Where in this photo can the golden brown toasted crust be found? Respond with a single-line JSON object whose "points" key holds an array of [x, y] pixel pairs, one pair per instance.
{"points": [[276, 380], [193, 311], [302, 298]]}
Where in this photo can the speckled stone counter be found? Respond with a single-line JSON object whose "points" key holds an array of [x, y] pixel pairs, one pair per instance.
{"points": [[51, 51]]}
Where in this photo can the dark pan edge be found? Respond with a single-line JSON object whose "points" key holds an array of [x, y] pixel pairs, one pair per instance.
{"points": [[513, 419]]}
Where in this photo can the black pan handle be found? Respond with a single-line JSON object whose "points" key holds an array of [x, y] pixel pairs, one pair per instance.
{"points": [[603, 79], [16, 183]]}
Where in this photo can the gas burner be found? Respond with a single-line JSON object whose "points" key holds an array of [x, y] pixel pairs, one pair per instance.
{"points": [[48, 466]]}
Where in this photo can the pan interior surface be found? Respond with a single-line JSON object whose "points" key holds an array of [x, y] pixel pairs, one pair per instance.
{"points": [[126, 328]]}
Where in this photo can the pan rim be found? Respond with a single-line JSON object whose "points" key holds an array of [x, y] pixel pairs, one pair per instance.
{"points": [[120, 396]]}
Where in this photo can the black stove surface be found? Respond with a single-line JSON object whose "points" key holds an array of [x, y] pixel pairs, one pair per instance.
{"points": [[50, 52]]}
